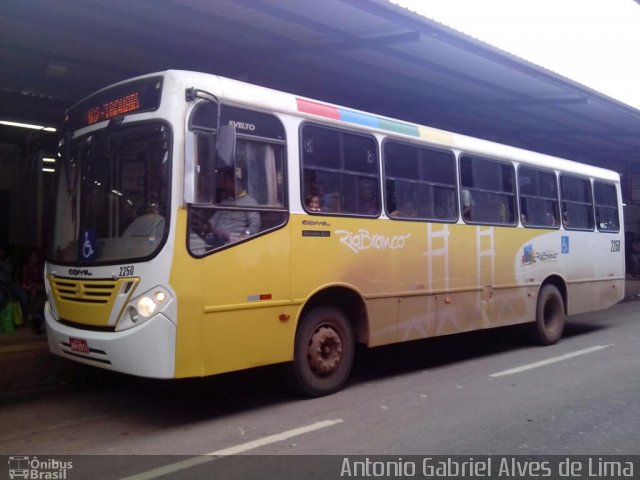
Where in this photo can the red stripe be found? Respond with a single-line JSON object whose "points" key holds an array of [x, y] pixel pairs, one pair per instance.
{"points": [[265, 296], [318, 109]]}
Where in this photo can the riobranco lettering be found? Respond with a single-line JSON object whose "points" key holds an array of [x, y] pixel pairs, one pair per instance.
{"points": [[364, 240]]}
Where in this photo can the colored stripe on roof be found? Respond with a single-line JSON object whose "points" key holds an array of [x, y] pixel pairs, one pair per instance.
{"points": [[319, 109], [358, 118]]}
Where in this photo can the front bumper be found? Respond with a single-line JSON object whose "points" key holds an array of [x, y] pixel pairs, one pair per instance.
{"points": [[147, 350]]}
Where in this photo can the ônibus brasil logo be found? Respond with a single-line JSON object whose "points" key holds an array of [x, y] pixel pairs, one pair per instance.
{"points": [[33, 468]]}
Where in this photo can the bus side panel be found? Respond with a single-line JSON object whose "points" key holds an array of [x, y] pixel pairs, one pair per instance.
{"points": [[249, 318], [187, 281], [508, 298], [478, 287], [382, 261], [417, 317], [230, 305], [241, 339], [591, 296], [509, 306], [595, 270], [419, 279], [383, 315], [591, 265]]}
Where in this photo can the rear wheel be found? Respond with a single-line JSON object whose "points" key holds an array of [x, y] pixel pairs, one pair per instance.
{"points": [[550, 316], [324, 351]]}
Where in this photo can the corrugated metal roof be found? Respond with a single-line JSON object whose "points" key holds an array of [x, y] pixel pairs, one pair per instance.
{"points": [[366, 54]]}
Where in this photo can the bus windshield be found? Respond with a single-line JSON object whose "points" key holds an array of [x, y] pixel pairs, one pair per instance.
{"points": [[112, 195]]}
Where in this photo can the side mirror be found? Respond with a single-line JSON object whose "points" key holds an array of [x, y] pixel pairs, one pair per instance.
{"points": [[226, 144]]}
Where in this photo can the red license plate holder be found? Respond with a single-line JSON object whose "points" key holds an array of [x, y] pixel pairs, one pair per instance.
{"points": [[79, 345]]}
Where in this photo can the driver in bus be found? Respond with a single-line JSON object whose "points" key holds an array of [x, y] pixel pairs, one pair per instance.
{"points": [[232, 225], [149, 225]]}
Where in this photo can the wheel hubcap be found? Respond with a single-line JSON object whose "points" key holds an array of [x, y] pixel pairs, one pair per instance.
{"points": [[325, 350]]}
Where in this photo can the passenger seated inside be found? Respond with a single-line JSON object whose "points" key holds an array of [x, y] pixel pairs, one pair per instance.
{"points": [[333, 202], [150, 225], [368, 198], [313, 203], [550, 220], [467, 204], [232, 225], [407, 210]]}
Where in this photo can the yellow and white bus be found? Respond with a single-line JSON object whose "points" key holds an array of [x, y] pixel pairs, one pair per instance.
{"points": [[204, 225]]}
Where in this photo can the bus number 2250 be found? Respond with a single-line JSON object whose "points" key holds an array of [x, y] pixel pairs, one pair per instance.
{"points": [[126, 271]]}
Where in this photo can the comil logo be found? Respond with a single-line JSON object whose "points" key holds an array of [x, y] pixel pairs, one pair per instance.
{"points": [[33, 468]]}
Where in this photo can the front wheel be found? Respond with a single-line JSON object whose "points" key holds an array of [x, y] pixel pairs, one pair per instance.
{"points": [[323, 352], [550, 316]]}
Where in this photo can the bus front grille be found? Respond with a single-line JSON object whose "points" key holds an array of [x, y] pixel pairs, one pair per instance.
{"points": [[96, 303], [84, 291]]}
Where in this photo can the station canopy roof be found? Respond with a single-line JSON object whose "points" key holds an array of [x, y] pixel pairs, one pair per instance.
{"points": [[365, 54]]}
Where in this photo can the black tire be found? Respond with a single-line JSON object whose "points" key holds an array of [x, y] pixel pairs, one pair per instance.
{"points": [[323, 352], [550, 316]]}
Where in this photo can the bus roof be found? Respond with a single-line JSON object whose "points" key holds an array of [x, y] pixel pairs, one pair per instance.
{"points": [[281, 102]]}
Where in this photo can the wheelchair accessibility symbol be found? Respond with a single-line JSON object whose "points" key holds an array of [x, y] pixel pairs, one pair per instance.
{"points": [[88, 249], [565, 244]]}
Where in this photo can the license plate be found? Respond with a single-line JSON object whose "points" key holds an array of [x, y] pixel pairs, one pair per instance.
{"points": [[79, 345]]}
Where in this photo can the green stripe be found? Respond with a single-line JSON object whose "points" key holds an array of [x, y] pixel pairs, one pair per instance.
{"points": [[398, 127]]}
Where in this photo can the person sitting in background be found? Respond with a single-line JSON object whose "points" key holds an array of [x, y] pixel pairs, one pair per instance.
{"points": [[10, 290], [33, 279]]}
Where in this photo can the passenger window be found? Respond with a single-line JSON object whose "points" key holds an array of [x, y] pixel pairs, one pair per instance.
{"points": [[539, 206], [340, 172], [487, 191], [245, 197], [606, 199], [420, 183], [577, 203]]}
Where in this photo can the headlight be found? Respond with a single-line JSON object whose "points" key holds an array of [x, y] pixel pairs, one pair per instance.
{"points": [[150, 303], [146, 306]]}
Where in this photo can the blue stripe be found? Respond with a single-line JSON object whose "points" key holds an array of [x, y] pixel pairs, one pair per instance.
{"points": [[359, 118]]}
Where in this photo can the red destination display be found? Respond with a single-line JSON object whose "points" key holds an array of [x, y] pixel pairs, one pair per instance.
{"points": [[137, 96], [119, 106]]}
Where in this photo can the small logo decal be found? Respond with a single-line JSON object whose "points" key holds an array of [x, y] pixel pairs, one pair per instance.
{"points": [[530, 256]]}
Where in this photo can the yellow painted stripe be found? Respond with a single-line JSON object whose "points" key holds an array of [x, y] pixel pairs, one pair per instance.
{"points": [[436, 135]]}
